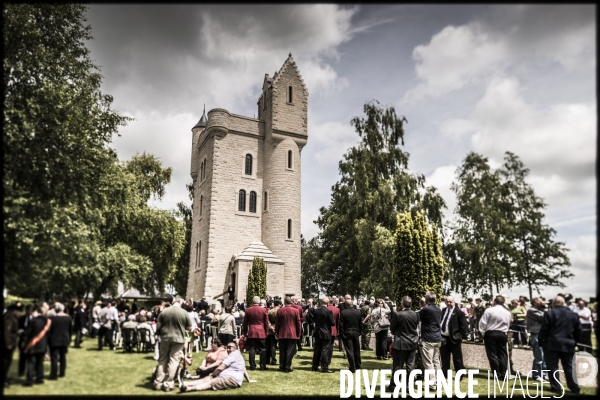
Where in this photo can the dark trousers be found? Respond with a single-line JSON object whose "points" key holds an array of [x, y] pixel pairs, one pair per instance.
{"points": [[566, 359], [35, 368], [497, 353], [586, 338], [299, 341], [105, 334], [272, 349], [22, 363], [454, 350], [8, 355], [78, 337], [58, 354], [226, 338], [287, 348], [402, 358], [203, 374], [330, 350], [381, 343], [257, 345], [352, 346], [321, 353], [519, 337]]}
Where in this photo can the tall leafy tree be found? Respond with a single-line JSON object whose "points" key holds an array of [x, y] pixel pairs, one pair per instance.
{"points": [[257, 280], [180, 280], [417, 263], [76, 220], [56, 126], [539, 259], [310, 276], [375, 184], [480, 245]]}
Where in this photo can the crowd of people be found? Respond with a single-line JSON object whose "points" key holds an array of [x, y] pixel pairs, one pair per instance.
{"points": [[274, 329]]}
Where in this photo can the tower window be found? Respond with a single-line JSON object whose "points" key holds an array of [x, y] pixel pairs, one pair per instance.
{"points": [[289, 94], [201, 171], [289, 229], [248, 169], [265, 200], [198, 252], [242, 201], [252, 202], [289, 159], [201, 198]]}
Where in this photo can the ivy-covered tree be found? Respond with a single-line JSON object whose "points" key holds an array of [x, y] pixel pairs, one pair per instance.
{"points": [[417, 264], [180, 279], [257, 280], [356, 229]]}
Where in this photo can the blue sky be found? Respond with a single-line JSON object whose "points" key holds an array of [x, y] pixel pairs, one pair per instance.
{"points": [[483, 78]]}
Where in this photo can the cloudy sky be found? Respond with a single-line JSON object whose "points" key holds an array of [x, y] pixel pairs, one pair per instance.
{"points": [[477, 78]]}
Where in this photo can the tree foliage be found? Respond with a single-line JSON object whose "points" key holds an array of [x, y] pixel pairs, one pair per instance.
{"points": [[257, 280], [310, 276], [76, 220], [356, 229], [180, 280], [499, 239], [417, 263]]}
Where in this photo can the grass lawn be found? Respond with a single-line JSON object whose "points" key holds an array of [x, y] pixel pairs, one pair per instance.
{"points": [[108, 372]]}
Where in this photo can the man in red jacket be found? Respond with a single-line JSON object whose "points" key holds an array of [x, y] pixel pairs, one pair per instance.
{"points": [[255, 328], [335, 329], [301, 311], [287, 331]]}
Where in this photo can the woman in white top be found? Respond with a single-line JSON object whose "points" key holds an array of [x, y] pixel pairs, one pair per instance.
{"points": [[227, 329], [380, 328]]}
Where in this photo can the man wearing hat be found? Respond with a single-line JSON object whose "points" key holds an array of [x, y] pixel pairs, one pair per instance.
{"points": [[11, 335]]}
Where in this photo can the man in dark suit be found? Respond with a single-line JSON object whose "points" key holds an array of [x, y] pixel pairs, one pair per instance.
{"points": [[335, 329], [287, 330], [202, 305], [323, 320], [454, 329], [80, 322], [256, 328], [37, 342], [24, 321], [561, 330], [404, 325], [350, 329], [59, 338], [10, 335]]}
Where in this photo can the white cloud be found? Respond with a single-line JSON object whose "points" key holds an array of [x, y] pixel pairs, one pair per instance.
{"points": [[330, 141], [441, 178], [454, 57], [558, 143]]}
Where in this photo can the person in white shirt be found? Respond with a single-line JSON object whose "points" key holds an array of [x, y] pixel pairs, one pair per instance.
{"points": [[494, 325], [585, 317]]}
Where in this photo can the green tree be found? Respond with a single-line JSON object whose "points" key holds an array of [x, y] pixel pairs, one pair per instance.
{"points": [[417, 263], [356, 229], [310, 276], [76, 219], [540, 261], [180, 280], [56, 127], [257, 280], [479, 250]]}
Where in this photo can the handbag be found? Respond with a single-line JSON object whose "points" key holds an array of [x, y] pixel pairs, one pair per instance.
{"points": [[383, 321]]}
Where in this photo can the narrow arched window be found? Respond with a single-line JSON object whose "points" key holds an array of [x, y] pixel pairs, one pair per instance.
{"points": [[289, 229], [197, 259], [201, 171], [242, 201], [289, 159], [252, 202], [289, 94], [248, 164], [201, 198], [265, 200]]}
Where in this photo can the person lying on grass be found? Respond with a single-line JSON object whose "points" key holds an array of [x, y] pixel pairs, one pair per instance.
{"points": [[228, 375]]}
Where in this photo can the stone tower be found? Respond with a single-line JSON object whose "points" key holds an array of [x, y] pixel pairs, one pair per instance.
{"points": [[247, 190]]}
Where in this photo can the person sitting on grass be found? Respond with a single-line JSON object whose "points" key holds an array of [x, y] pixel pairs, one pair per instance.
{"points": [[213, 359], [228, 375]]}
